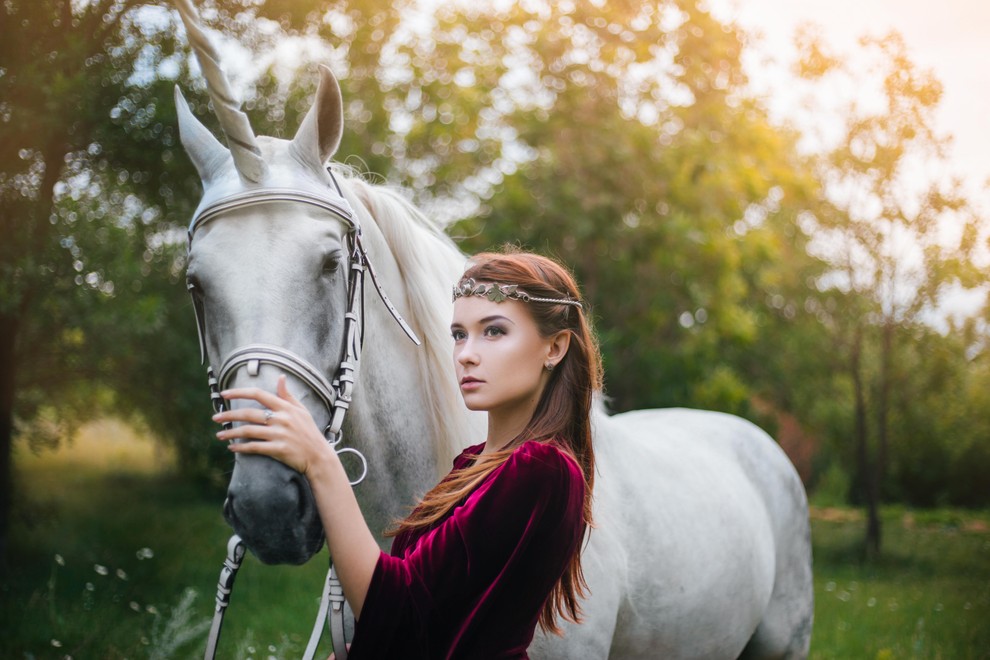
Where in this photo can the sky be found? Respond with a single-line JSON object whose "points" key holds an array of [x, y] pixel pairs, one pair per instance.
{"points": [[949, 37]]}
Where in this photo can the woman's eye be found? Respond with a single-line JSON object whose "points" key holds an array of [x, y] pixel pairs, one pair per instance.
{"points": [[493, 331], [457, 335]]}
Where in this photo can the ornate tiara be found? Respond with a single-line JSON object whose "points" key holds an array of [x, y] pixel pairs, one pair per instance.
{"points": [[498, 292]]}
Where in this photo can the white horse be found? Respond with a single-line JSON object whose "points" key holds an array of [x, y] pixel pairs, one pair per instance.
{"points": [[701, 547]]}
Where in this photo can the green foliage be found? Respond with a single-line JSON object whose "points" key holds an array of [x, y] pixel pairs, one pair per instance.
{"points": [[897, 238], [831, 486], [620, 138], [94, 191], [168, 538], [661, 185], [941, 455]]}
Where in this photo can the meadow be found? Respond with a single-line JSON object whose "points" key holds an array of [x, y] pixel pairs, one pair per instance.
{"points": [[115, 556]]}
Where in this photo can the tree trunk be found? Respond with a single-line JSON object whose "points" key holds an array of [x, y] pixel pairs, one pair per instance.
{"points": [[865, 481], [8, 340], [858, 487], [878, 473]]}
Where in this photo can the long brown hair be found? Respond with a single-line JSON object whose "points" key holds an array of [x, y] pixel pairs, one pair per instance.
{"points": [[562, 415]]}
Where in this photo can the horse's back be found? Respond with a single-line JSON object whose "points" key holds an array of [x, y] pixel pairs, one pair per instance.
{"points": [[701, 531]]}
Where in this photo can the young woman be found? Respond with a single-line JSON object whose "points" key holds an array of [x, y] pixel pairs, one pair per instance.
{"points": [[494, 549]]}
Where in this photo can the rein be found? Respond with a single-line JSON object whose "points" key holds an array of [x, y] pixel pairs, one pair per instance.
{"points": [[335, 395]]}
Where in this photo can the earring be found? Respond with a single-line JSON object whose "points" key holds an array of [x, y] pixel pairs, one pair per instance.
{"points": [[549, 366]]}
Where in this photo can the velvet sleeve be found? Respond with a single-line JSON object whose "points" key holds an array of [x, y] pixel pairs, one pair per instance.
{"points": [[469, 584]]}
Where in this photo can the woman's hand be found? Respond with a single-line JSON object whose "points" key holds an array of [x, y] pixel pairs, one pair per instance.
{"points": [[283, 427]]}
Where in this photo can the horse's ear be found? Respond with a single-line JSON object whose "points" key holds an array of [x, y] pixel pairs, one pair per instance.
{"points": [[204, 150], [319, 134]]}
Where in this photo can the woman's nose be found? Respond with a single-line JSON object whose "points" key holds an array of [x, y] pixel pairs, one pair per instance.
{"points": [[467, 354]]}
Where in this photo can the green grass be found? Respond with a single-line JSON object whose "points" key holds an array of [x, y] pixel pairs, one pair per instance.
{"points": [[87, 518], [926, 596], [103, 551]]}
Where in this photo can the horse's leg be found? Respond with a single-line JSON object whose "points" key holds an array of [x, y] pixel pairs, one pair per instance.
{"points": [[785, 630]]}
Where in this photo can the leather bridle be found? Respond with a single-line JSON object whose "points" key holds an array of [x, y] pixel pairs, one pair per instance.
{"points": [[335, 395]]}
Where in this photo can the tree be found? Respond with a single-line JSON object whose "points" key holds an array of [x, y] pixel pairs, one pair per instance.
{"points": [[641, 162], [897, 235], [94, 192], [64, 67]]}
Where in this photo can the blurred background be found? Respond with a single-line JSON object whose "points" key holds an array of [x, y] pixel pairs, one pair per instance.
{"points": [[781, 219]]}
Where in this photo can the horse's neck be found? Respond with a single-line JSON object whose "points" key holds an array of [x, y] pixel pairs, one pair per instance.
{"points": [[393, 420]]}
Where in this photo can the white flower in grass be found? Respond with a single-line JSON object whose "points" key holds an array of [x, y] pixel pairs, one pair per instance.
{"points": [[101, 570], [121, 575], [57, 644], [871, 602], [145, 553], [90, 586], [135, 606], [151, 609], [59, 560]]}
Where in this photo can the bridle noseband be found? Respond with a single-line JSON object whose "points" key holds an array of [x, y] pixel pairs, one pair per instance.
{"points": [[335, 395]]}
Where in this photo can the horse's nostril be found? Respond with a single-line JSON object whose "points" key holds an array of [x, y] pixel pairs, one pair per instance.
{"points": [[302, 503]]}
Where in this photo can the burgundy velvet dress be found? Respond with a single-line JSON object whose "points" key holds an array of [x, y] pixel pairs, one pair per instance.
{"points": [[474, 584]]}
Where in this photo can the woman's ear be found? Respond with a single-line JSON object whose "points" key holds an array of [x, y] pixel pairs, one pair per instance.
{"points": [[559, 343]]}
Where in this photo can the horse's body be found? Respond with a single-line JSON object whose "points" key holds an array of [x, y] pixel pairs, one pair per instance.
{"points": [[701, 544]]}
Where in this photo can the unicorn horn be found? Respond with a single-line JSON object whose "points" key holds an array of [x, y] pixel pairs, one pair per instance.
{"points": [[240, 137]]}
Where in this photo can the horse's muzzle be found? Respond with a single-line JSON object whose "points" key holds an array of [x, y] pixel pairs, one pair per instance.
{"points": [[271, 507]]}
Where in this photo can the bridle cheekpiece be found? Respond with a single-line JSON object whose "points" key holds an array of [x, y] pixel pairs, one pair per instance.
{"points": [[335, 394]]}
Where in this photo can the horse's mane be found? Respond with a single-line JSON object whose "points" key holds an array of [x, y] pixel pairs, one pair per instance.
{"points": [[428, 260]]}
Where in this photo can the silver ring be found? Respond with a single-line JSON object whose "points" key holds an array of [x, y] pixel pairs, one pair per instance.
{"points": [[364, 464], [268, 416]]}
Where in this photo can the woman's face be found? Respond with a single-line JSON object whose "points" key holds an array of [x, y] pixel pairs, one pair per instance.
{"points": [[499, 355]]}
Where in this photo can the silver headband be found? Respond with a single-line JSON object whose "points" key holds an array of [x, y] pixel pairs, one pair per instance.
{"points": [[498, 292]]}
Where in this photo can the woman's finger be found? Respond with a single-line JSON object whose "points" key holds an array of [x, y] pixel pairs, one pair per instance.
{"points": [[278, 449], [273, 449], [266, 399], [256, 416], [282, 389], [252, 431]]}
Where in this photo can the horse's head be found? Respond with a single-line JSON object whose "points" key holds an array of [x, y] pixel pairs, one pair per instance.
{"points": [[269, 270]]}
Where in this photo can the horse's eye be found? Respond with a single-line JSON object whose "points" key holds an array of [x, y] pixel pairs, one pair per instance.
{"points": [[331, 262]]}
